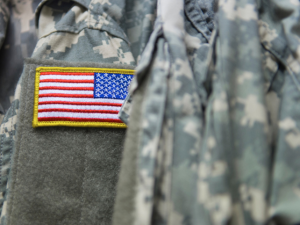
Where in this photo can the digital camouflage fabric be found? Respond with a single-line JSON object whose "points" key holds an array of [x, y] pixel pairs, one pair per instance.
{"points": [[114, 32], [247, 170], [7, 143], [219, 137], [219, 141], [122, 29], [17, 41]]}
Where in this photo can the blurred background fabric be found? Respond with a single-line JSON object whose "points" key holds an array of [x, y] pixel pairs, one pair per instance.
{"points": [[17, 40]]}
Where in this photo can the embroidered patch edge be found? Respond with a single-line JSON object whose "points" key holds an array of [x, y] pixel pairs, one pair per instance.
{"points": [[36, 123]]}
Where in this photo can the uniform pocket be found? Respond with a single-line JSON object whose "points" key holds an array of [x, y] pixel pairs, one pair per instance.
{"points": [[74, 32]]}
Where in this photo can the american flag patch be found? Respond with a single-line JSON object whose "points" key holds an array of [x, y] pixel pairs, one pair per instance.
{"points": [[80, 97]]}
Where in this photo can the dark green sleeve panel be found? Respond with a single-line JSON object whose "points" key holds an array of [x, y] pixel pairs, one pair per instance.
{"points": [[61, 175]]}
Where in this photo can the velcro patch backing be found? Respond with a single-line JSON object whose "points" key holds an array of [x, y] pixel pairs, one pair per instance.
{"points": [[80, 97]]}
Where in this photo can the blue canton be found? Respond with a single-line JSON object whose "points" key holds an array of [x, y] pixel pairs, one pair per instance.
{"points": [[108, 85]]}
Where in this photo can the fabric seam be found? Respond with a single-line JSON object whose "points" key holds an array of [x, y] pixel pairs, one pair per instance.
{"points": [[19, 150]]}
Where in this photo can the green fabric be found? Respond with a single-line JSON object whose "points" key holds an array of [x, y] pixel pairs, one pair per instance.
{"points": [[126, 188], [62, 175]]}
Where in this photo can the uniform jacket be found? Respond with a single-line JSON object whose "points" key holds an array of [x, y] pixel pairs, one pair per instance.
{"points": [[212, 115]]}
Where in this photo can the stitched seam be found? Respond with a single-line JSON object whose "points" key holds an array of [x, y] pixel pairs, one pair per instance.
{"points": [[83, 181], [83, 69], [21, 140], [91, 26], [279, 57], [90, 13], [193, 22], [82, 124]]}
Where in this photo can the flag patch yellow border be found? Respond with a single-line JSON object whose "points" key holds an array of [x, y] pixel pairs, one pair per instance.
{"points": [[65, 96]]}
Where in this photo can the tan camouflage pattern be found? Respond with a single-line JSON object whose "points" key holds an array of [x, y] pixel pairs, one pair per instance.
{"points": [[220, 132]]}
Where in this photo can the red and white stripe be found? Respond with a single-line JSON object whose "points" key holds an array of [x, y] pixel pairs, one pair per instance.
{"points": [[70, 97]]}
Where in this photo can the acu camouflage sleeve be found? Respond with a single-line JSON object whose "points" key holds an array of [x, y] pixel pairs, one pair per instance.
{"points": [[76, 31], [227, 150]]}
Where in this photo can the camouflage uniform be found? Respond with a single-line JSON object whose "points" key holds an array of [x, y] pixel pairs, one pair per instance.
{"points": [[17, 41], [114, 32], [216, 126], [218, 132]]}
